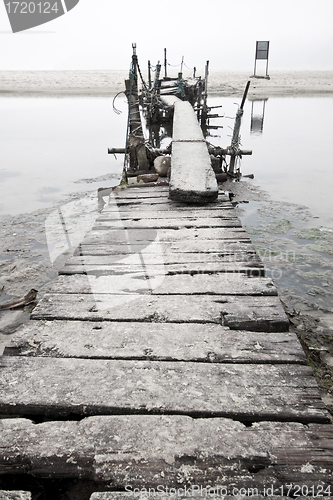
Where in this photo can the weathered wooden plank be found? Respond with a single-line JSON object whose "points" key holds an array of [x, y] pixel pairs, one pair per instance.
{"points": [[159, 284], [168, 258], [159, 200], [154, 341], [194, 214], [114, 208], [197, 492], [185, 125], [174, 257], [164, 198], [236, 312], [192, 176], [15, 495], [139, 193], [170, 206], [63, 386], [221, 246], [127, 236], [194, 491], [141, 197], [136, 223], [144, 187], [166, 269], [174, 451]]}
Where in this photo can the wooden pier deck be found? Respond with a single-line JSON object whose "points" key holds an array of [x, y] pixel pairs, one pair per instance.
{"points": [[161, 357]]}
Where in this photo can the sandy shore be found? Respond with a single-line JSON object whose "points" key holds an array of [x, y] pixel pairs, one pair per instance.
{"points": [[103, 83]]}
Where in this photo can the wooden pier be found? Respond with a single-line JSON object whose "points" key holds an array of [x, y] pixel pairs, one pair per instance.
{"points": [[160, 360], [161, 357]]}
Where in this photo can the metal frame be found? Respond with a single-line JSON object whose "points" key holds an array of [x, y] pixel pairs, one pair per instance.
{"points": [[262, 52]]}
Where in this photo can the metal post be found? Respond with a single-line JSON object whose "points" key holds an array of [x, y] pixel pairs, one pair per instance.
{"points": [[206, 76], [135, 65], [255, 60], [204, 110], [149, 74], [157, 78], [245, 94], [165, 63], [235, 136]]}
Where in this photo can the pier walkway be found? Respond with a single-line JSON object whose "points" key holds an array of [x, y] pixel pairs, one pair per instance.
{"points": [[161, 357]]}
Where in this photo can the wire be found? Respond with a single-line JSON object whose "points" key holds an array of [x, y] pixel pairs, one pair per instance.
{"points": [[117, 111], [191, 69]]}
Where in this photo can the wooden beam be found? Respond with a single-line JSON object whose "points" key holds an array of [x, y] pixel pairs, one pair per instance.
{"points": [[135, 303], [253, 392], [154, 341]]}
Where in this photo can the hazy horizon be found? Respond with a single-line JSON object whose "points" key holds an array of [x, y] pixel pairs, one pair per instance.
{"points": [[98, 35]]}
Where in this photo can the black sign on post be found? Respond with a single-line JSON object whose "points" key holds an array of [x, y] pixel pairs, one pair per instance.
{"points": [[262, 50]]}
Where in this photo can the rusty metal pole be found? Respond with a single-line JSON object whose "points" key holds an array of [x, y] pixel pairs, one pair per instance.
{"points": [[235, 136], [149, 75], [204, 110], [165, 63]]}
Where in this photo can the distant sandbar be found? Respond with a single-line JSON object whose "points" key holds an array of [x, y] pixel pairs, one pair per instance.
{"points": [[109, 82]]}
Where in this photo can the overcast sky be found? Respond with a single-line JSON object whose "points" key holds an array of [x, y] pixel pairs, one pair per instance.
{"points": [[97, 34]]}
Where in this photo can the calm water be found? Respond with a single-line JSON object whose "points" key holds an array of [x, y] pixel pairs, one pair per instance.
{"points": [[47, 145], [291, 154]]}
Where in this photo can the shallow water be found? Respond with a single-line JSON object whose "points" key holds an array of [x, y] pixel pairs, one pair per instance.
{"points": [[50, 147], [291, 155], [49, 144]]}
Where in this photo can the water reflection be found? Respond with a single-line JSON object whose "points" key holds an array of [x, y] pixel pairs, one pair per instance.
{"points": [[257, 115], [291, 159]]}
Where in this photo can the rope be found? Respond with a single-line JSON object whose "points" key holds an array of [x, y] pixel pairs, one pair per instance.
{"points": [[142, 80], [117, 111], [191, 69], [177, 65]]}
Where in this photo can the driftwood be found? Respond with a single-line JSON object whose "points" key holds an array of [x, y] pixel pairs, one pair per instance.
{"points": [[21, 302]]}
